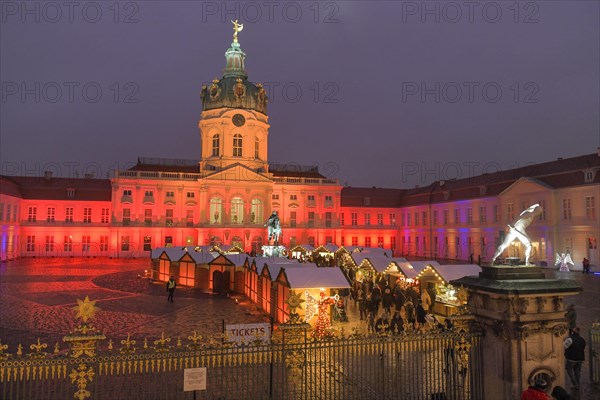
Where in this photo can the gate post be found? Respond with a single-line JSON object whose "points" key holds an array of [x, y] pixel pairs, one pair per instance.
{"points": [[522, 316], [83, 344]]}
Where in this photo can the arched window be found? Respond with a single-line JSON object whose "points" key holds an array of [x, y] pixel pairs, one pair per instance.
{"points": [[256, 148], [216, 145], [216, 210], [237, 210], [237, 145], [256, 212]]}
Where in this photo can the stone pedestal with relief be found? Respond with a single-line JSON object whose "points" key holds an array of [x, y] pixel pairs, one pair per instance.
{"points": [[522, 315]]}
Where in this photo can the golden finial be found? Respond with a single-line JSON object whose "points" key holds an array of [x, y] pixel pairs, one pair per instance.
{"points": [[237, 27], [86, 309]]}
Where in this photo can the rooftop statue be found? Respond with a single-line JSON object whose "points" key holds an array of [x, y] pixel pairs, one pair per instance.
{"points": [[237, 27], [517, 232]]}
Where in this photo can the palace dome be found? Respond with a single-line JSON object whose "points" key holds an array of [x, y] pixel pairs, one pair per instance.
{"points": [[234, 90]]}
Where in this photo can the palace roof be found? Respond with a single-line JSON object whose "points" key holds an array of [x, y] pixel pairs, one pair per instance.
{"points": [[51, 188]]}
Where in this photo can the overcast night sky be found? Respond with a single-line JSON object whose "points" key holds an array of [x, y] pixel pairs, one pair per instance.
{"points": [[392, 94]]}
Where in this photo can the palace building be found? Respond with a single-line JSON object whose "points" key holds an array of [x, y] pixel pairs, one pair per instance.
{"points": [[226, 196]]}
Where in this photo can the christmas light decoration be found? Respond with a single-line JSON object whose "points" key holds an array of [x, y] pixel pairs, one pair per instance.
{"points": [[323, 323]]}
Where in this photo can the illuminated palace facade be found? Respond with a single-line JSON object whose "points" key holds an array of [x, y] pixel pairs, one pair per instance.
{"points": [[226, 197]]}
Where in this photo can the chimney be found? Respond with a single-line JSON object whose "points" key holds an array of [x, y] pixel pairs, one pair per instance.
{"points": [[47, 175]]}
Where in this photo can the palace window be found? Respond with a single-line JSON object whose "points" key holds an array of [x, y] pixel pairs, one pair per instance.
{"points": [[342, 222], [32, 214], [105, 216], [148, 217], [189, 218], [457, 215], [311, 197], [446, 217], [590, 207], [354, 240], [274, 197], [311, 219], [393, 242], [147, 243], [190, 195], [256, 148], [542, 216], [149, 193], [424, 218], [124, 243], [469, 215], [127, 192], [380, 241], [482, 215], [435, 218], [69, 214], [51, 214], [170, 194], [68, 243], [237, 210], [567, 209], [169, 217], [328, 221], [496, 214], [292, 219], [216, 210], [510, 211], [30, 243], [87, 215], [408, 219], [368, 241], [216, 145], [237, 145], [367, 219], [379, 219], [126, 216], [256, 211], [103, 243], [354, 221], [293, 197], [86, 242], [393, 219], [49, 243], [328, 198], [168, 241], [416, 218]]}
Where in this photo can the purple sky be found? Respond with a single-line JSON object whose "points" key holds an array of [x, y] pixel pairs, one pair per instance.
{"points": [[369, 73]]}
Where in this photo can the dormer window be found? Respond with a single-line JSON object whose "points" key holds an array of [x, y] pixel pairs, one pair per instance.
{"points": [[70, 193], [589, 176]]}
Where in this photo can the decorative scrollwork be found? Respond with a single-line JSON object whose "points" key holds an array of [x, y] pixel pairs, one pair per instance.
{"points": [[462, 348], [37, 350], [82, 376], [162, 344], [519, 305], [4, 356], [128, 346]]}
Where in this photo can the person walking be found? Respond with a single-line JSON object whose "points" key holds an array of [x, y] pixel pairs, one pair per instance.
{"points": [[574, 356], [586, 265], [171, 288]]}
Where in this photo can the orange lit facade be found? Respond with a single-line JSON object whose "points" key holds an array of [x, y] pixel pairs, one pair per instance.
{"points": [[226, 196]]}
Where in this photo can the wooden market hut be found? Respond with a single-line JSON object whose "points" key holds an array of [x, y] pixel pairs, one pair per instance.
{"points": [[266, 290], [436, 280], [226, 273], [183, 263], [374, 265], [228, 249], [301, 280], [304, 250]]}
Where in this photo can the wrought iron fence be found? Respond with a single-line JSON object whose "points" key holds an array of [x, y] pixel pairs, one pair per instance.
{"points": [[292, 365], [594, 350]]}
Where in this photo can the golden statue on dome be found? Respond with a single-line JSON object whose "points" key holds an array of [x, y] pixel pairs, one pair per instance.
{"points": [[237, 27]]}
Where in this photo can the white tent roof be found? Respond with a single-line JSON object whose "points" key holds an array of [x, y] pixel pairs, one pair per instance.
{"points": [[300, 278], [380, 263], [452, 272], [407, 269], [421, 265]]}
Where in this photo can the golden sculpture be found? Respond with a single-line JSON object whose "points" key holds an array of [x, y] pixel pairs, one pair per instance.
{"points": [[237, 27]]}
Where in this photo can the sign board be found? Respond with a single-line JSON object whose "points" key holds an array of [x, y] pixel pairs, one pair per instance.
{"points": [[194, 379], [248, 332]]}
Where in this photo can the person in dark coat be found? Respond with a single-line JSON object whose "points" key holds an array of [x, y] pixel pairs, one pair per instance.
{"points": [[409, 307], [387, 299], [171, 288], [574, 356], [421, 321], [560, 393], [399, 297], [362, 304], [396, 324]]}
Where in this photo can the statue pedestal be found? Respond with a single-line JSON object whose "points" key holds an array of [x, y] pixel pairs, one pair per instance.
{"points": [[523, 318], [274, 251]]}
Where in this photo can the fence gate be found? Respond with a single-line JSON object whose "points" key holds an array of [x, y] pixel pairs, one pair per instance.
{"points": [[292, 365]]}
